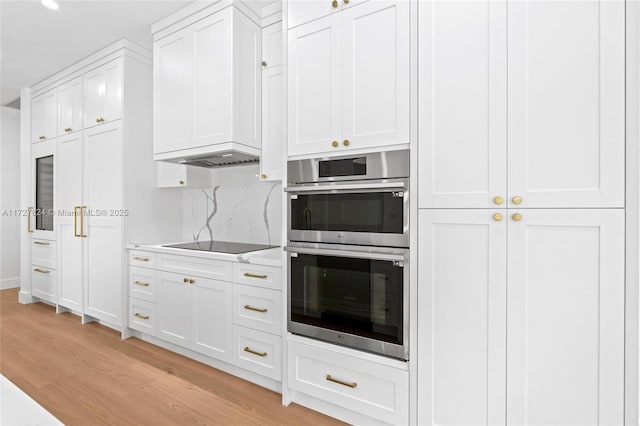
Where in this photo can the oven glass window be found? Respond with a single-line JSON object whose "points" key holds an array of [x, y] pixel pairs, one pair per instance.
{"points": [[379, 212], [357, 296]]}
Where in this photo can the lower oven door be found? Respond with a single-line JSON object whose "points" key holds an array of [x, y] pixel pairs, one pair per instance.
{"points": [[354, 298]]}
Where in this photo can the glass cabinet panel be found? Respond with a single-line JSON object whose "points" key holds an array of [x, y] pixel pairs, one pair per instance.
{"points": [[44, 193]]}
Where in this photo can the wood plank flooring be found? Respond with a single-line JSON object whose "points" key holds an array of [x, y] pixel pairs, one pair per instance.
{"points": [[87, 375]]}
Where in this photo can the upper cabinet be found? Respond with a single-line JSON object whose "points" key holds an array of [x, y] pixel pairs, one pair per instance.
{"points": [[44, 116], [103, 94], [303, 11], [207, 79], [70, 101], [541, 81], [348, 79], [273, 136]]}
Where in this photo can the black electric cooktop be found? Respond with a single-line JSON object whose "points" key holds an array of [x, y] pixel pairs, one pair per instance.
{"points": [[221, 246]]}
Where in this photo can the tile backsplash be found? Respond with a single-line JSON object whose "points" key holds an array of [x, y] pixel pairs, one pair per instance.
{"points": [[237, 207]]}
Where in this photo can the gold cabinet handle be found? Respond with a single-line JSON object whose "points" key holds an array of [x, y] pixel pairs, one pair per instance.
{"points": [[263, 176], [141, 259], [346, 1], [345, 142], [250, 275], [41, 243], [141, 284], [352, 385], [42, 271], [100, 120], [251, 308], [42, 138], [334, 3], [334, 144], [517, 199], [82, 234], [75, 221], [29, 210], [192, 281], [516, 217], [181, 182], [142, 317], [68, 129], [498, 217], [498, 200], [185, 280], [264, 63], [251, 351]]}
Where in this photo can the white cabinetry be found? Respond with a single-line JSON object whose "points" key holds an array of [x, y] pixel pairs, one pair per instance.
{"points": [[70, 102], [207, 84], [302, 11], [273, 136], [548, 78], [44, 116], [172, 175], [103, 92], [348, 80]]}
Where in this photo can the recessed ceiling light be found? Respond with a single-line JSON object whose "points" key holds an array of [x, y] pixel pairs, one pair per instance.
{"points": [[51, 4]]}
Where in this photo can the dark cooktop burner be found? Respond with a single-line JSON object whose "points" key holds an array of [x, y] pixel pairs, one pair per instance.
{"points": [[221, 246]]}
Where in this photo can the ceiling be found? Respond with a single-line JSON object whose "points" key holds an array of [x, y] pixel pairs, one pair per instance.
{"points": [[36, 42]]}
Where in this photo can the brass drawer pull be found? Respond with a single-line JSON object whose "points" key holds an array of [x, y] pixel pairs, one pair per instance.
{"points": [[141, 259], [29, 210], [251, 308], [142, 317], [141, 284], [42, 271], [250, 275], [251, 351], [41, 243], [352, 385]]}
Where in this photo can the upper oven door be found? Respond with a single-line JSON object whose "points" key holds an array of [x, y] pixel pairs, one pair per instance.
{"points": [[361, 213]]}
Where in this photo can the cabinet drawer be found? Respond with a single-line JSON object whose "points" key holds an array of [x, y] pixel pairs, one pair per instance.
{"points": [[195, 266], [257, 308], [380, 391], [44, 284], [257, 275], [43, 253], [144, 259], [142, 316], [258, 352], [142, 283]]}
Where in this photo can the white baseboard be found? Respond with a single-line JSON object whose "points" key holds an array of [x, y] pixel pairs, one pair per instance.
{"points": [[7, 283]]}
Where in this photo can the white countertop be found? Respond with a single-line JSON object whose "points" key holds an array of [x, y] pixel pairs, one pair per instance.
{"points": [[268, 257]]}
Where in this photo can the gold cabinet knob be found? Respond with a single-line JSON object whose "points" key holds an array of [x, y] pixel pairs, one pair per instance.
{"points": [[498, 200], [345, 142], [191, 281], [516, 200], [99, 120], [334, 144], [181, 182], [264, 63], [185, 280], [498, 217], [517, 217], [263, 176], [346, 1], [334, 3], [42, 138]]}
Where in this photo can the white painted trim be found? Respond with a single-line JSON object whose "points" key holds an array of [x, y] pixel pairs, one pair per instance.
{"points": [[25, 194], [8, 283]]}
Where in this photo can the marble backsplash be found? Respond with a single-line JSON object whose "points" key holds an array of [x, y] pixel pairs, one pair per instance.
{"points": [[237, 207]]}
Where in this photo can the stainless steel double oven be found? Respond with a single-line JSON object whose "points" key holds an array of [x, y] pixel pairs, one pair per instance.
{"points": [[348, 250]]}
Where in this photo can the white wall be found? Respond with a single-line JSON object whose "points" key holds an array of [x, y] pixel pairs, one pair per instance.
{"points": [[237, 207], [9, 197]]}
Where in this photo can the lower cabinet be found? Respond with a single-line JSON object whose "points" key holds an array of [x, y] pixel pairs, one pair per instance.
{"points": [[521, 317], [343, 378], [44, 284], [258, 352]]}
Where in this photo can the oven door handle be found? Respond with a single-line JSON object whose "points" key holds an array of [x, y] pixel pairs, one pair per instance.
{"points": [[349, 187], [347, 253]]}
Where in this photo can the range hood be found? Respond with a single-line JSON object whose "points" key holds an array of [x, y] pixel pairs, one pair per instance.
{"points": [[218, 159]]}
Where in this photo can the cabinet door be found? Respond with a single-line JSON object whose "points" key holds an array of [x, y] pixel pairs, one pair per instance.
{"points": [[375, 75], [314, 86], [172, 73], [462, 317], [44, 116], [212, 79], [175, 309], [69, 185], [103, 245], [273, 136], [103, 94], [213, 312], [565, 335], [462, 104], [566, 127], [70, 95], [272, 45]]}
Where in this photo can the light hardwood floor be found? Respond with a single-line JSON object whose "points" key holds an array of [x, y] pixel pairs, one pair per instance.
{"points": [[87, 375]]}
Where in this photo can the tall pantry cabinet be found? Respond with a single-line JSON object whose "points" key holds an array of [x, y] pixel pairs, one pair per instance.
{"points": [[522, 212], [105, 191]]}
